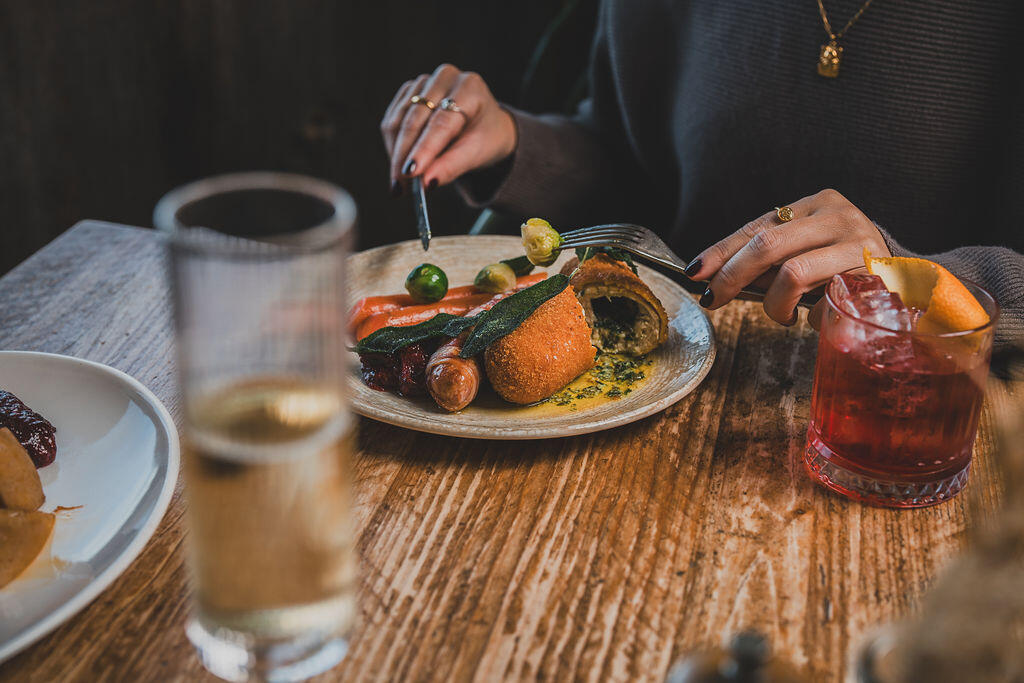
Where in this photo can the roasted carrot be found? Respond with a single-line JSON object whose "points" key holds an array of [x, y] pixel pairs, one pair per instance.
{"points": [[410, 315], [374, 305]]}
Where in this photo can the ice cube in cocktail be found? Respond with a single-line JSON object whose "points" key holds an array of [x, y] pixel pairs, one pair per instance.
{"points": [[866, 298]]}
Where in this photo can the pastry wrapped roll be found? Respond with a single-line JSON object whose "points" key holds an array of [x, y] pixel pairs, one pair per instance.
{"points": [[547, 351], [622, 311]]}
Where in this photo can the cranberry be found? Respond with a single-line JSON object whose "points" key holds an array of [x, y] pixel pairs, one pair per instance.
{"points": [[403, 372], [30, 428]]}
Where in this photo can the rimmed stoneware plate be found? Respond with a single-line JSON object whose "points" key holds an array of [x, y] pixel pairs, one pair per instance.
{"points": [[679, 365], [117, 462]]}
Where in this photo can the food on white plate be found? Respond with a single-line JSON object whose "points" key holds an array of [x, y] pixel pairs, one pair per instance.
{"points": [[23, 530], [33, 431], [531, 336], [23, 535], [26, 439], [624, 314], [372, 313], [543, 354], [20, 487], [400, 367]]}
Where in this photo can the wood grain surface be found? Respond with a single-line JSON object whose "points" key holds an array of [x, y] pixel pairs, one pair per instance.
{"points": [[600, 557]]}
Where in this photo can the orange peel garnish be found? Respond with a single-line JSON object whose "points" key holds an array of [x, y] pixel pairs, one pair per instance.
{"points": [[947, 304]]}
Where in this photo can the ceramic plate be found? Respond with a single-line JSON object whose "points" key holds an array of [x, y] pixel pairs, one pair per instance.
{"points": [[679, 365], [117, 462]]}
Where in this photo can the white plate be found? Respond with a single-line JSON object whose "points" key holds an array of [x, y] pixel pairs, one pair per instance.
{"points": [[117, 457], [679, 365]]}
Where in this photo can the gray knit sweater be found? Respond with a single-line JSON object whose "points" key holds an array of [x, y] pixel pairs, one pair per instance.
{"points": [[704, 114]]}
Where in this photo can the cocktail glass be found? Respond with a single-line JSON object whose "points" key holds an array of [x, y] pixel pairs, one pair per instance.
{"points": [[894, 411]]}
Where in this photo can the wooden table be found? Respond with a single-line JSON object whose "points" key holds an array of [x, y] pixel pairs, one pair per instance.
{"points": [[596, 557]]}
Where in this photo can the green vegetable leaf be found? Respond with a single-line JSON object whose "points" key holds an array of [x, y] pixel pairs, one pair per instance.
{"points": [[509, 313], [611, 252], [520, 265], [393, 339], [489, 326]]}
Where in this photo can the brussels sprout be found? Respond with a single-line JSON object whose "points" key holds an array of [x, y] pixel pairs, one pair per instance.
{"points": [[497, 277], [426, 283], [541, 242]]}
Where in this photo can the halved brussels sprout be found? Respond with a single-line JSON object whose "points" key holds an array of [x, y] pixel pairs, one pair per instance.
{"points": [[541, 242], [497, 277]]}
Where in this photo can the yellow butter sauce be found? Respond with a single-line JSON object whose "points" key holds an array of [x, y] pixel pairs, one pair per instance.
{"points": [[613, 377]]}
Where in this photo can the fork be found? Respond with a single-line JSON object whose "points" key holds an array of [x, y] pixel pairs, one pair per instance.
{"points": [[642, 242]]}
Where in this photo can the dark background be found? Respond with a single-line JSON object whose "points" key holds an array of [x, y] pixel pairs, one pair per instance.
{"points": [[107, 104]]}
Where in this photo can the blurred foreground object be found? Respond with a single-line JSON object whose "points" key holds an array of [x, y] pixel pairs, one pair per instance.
{"points": [[971, 623], [257, 273], [747, 659]]}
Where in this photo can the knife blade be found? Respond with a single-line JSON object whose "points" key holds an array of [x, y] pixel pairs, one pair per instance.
{"points": [[419, 198]]}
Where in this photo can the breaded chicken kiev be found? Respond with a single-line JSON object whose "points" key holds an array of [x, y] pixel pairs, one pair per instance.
{"points": [[621, 309], [547, 351]]}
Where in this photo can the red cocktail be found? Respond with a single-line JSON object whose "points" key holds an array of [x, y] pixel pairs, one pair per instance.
{"points": [[894, 411]]}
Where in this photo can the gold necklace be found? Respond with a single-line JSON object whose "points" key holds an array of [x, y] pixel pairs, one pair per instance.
{"points": [[832, 52]]}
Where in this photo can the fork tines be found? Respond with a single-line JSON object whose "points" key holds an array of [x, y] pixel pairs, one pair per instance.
{"points": [[602, 235]]}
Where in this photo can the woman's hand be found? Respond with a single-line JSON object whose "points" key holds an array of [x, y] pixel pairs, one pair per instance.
{"points": [[827, 235], [441, 144]]}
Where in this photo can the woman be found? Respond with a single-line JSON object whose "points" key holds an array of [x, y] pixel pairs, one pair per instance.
{"points": [[703, 116]]}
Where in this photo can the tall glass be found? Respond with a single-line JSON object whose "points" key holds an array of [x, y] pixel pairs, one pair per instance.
{"points": [[894, 412], [256, 262]]}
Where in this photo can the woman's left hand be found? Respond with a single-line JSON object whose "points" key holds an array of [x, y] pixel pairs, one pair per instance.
{"points": [[827, 235]]}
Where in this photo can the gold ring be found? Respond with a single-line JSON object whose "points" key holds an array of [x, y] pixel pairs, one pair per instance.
{"points": [[784, 213], [418, 99]]}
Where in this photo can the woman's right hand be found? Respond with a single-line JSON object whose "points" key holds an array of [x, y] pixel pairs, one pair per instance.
{"points": [[440, 145]]}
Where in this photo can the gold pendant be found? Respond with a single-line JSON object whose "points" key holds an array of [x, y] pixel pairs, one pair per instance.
{"points": [[828, 60]]}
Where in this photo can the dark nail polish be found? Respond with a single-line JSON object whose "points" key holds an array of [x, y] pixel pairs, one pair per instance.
{"points": [[693, 267], [707, 298], [409, 168], [396, 189], [432, 184]]}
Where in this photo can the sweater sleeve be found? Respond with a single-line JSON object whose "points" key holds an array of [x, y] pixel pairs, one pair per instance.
{"points": [[558, 171], [572, 170], [997, 269]]}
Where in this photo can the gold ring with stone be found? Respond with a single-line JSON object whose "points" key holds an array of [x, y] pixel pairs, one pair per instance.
{"points": [[419, 99], [784, 213]]}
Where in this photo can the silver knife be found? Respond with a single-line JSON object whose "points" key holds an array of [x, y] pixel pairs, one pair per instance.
{"points": [[419, 198]]}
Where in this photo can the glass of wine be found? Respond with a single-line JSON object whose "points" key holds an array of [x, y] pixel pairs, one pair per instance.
{"points": [[257, 264]]}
